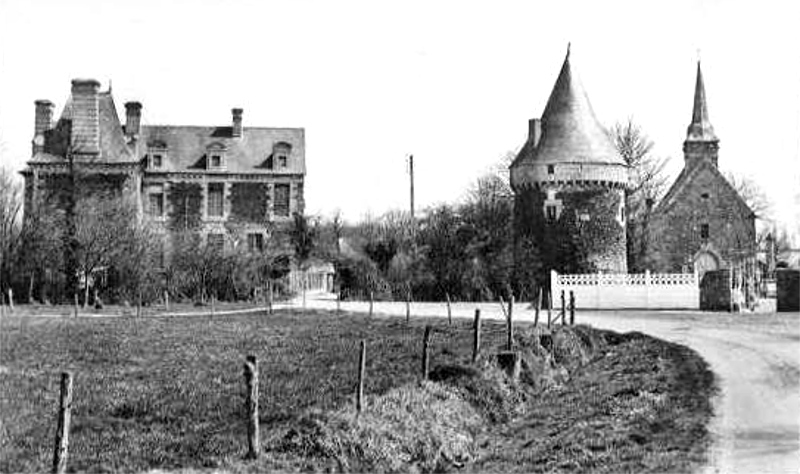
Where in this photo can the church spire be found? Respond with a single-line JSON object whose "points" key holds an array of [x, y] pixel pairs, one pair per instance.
{"points": [[700, 129], [701, 141]]}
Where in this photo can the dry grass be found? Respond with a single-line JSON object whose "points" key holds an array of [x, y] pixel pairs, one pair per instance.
{"points": [[167, 393]]}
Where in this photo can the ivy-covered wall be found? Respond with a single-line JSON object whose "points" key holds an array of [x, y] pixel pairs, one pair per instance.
{"points": [[249, 202], [587, 236], [185, 205]]}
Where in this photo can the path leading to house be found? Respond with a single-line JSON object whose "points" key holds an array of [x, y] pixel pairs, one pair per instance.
{"points": [[755, 356]]}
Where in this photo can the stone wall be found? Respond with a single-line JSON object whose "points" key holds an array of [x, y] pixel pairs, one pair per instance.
{"points": [[588, 235], [788, 287], [675, 231]]}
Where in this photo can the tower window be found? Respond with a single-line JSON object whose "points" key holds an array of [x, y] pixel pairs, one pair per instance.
{"points": [[551, 212], [704, 231]]}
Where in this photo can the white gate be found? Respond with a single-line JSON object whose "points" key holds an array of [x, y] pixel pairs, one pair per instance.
{"points": [[629, 291]]}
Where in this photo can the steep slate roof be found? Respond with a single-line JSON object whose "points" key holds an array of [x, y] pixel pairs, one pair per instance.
{"points": [[570, 130], [113, 145], [683, 184], [700, 130], [187, 147]]}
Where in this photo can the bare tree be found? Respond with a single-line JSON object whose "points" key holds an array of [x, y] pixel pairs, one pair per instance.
{"points": [[752, 194], [647, 184], [10, 226]]}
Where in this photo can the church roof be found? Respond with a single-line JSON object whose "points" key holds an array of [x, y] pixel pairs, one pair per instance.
{"points": [[570, 130], [700, 130], [689, 174]]}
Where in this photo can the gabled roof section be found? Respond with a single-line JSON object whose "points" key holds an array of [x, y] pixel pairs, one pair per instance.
{"points": [[700, 130], [187, 147], [570, 130], [113, 145], [689, 174]]}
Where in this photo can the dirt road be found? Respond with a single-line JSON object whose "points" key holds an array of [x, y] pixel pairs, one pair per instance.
{"points": [[755, 356]]}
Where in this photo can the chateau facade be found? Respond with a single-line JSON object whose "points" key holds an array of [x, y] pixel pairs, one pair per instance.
{"points": [[569, 183], [210, 180]]}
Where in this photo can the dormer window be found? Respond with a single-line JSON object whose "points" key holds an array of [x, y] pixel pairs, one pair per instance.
{"points": [[215, 154], [157, 154], [281, 152]]}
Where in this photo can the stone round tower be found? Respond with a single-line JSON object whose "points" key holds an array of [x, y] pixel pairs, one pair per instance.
{"points": [[569, 183]]}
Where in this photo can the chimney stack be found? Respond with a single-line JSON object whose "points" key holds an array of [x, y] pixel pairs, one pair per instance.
{"points": [[133, 119], [42, 123], [534, 131], [85, 116], [236, 131]]}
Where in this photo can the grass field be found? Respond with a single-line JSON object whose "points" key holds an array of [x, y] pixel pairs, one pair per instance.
{"points": [[168, 393]]}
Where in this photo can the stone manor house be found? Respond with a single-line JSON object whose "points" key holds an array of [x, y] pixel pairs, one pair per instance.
{"points": [[206, 179]]}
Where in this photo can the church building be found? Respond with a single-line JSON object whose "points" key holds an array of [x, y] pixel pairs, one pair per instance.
{"points": [[702, 223]]}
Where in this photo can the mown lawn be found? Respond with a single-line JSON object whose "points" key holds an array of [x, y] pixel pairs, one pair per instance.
{"points": [[168, 392]]}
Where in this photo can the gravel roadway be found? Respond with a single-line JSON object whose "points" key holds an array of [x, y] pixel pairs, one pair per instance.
{"points": [[756, 357]]}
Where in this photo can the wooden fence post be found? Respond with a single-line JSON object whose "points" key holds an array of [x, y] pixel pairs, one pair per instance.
{"points": [[476, 339], [571, 308], [563, 309], [362, 368], [426, 341], [270, 295], [371, 301], [510, 325], [549, 308], [213, 304], [139, 303], [76, 304], [166, 300], [10, 301], [62, 431], [449, 310], [251, 405], [338, 302], [538, 307], [408, 306]]}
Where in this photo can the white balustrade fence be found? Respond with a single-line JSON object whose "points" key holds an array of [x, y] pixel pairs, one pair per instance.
{"points": [[629, 291]]}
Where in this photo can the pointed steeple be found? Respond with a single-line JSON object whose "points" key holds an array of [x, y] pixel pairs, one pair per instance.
{"points": [[571, 132], [700, 129], [701, 141]]}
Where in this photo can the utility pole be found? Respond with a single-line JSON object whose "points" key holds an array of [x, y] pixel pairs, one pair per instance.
{"points": [[411, 174]]}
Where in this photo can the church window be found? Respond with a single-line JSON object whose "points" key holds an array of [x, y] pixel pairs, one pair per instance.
{"points": [[551, 169], [704, 231]]}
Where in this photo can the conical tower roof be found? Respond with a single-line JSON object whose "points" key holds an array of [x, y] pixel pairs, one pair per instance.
{"points": [[570, 130], [700, 130]]}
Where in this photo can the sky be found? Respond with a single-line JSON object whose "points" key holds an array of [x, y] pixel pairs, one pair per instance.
{"points": [[453, 83]]}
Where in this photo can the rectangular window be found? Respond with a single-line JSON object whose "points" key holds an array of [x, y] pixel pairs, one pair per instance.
{"points": [[551, 212], [282, 161], [281, 207], [156, 205], [216, 242], [216, 193], [255, 242], [216, 161], [551, 169], [157, 159], [704, 231]]}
